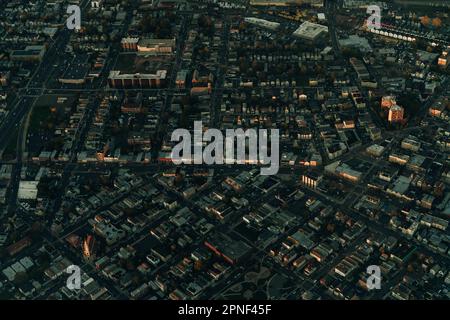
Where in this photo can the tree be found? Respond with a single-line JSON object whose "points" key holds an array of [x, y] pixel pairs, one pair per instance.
{"points": [[20, 278], [425, 20], [303, 70], [147, 24], [136, 279], [3, 253], [436, 22], [198, 265], [36, 230], [330, 227], [179, 178]]}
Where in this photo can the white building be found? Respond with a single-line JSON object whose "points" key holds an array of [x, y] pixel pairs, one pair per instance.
{"points": [[262, 23], [28, 190], [310, 31], [375, 150], [96, 4]]}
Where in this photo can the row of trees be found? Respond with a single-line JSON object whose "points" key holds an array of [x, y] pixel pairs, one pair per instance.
{"points": [[435, 22], [160, 26]]}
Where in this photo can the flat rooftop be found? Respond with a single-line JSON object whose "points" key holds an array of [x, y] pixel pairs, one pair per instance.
{"points": [[28, 190], [310, 31]]}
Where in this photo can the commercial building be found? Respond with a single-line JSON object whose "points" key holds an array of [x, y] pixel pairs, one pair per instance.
{"points": [[229, 249], [109, 232], [129, 44], [262, 23], [375, 150], [28, 190], [360, 69], [158, 46], [310, 31], [395, 114], [137, 80], [438, 109], [30, 53], [401, 159], [311, 179], [356, 42], [344, 171], [400, 188], [410, 144], [387, 102]]}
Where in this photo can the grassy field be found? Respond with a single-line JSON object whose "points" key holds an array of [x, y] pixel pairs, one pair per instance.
{"points": [[39, 117]]}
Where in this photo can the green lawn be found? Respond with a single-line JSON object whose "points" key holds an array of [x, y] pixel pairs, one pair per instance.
{"points": [[40, 115]]}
